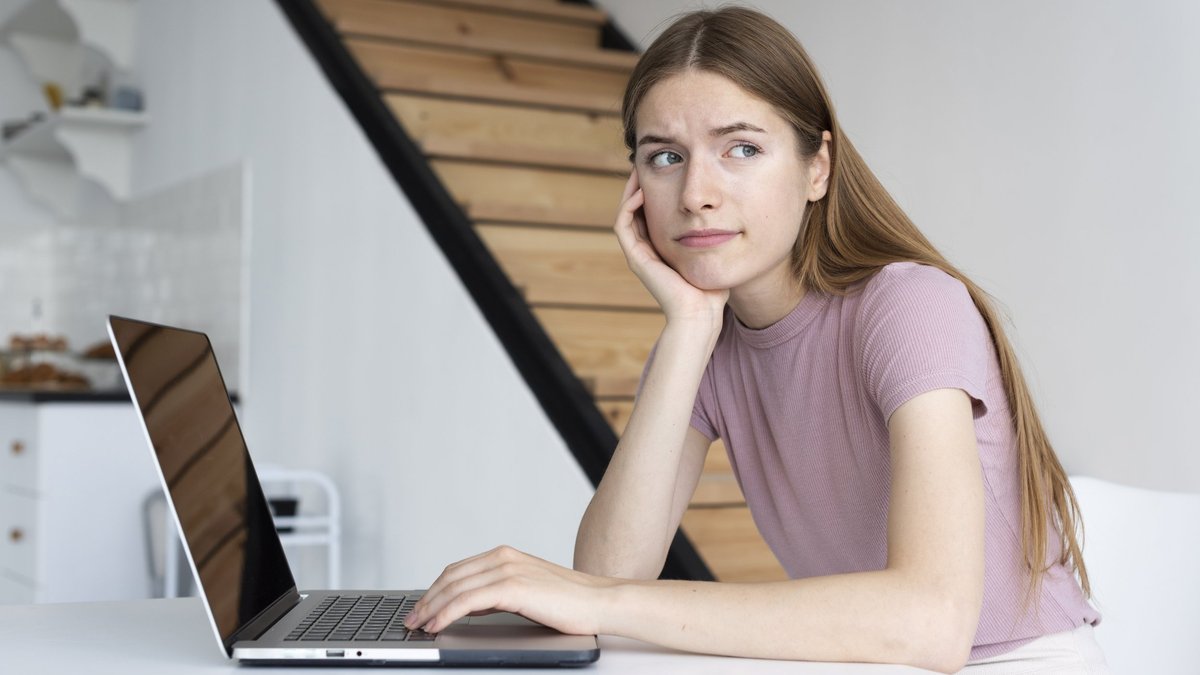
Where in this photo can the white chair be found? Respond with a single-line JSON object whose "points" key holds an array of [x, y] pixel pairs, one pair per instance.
{"points": [[318, 524], [1142, 549]]}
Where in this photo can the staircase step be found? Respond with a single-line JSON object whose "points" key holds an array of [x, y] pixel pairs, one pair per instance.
{"points": [[566, 267], [442, 22], [505, 133], [602, 343], [616, 412], [475, 31], [527, 195], [549, 9], [612, 387], [717, 490], [730, 544], [456, 74], [718, 486]]}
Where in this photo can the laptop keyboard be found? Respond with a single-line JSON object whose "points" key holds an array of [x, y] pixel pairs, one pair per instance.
{"points": [[360, 618]]}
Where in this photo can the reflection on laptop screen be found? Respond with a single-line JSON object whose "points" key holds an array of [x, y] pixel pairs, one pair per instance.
{"points": [[226, 524]]}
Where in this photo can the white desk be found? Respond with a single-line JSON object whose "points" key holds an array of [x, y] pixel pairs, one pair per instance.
{"points": [[173, 636]]}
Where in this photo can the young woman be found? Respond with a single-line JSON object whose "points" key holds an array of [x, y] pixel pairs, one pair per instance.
{"points": [[872, 407]]}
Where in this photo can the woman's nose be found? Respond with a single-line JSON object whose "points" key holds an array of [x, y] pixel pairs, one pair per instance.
{"points": [[701, 188]]}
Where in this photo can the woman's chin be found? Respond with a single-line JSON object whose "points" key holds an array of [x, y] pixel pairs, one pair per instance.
{"points": [[706, 281]]}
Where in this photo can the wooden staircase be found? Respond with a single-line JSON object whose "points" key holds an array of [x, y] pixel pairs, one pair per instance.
{"points": [[514, 105]]}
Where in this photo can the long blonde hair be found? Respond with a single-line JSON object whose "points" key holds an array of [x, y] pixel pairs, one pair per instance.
{"points": [[857, 229]]}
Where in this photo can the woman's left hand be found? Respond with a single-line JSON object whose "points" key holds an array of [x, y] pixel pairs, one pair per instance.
{"points": [[507, 580]]}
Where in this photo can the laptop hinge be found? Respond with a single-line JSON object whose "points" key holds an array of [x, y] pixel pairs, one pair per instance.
{"points": [[254, 628]]}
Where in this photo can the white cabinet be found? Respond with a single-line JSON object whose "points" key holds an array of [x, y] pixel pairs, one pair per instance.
{"points": [[73, 478]]}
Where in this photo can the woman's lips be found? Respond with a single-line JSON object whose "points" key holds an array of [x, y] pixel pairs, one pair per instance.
{"points": [[706, 238]]}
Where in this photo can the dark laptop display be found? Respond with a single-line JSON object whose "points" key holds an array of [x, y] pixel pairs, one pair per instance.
{"points": [[222, 511], [236, 555]]}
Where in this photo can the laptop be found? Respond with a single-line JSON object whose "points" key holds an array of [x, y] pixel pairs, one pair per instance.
{"points": [[235, 553]]}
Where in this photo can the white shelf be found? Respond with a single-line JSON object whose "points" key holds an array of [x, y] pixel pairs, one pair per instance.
{"points": [[110, 117], [52, 157]]}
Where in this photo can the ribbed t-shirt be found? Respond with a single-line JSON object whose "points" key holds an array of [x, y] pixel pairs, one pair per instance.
{"points": [[803, 405]]}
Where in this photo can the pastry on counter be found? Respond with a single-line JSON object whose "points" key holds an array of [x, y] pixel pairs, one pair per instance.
{"points": [[43, 376], [40, 342], [100, 350]]}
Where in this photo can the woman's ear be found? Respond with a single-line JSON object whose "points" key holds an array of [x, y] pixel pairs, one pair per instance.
{"points": [[818, 169]]}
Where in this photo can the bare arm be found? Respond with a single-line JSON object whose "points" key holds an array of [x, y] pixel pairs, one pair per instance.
{"points": [[631, 520], [922, 609]]}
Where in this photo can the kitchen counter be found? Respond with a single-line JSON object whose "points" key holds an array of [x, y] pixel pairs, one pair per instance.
{"points": [[73, 396], [64, 395]]}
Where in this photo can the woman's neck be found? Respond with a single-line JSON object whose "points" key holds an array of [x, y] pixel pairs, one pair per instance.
{"points": [[761, 305]]}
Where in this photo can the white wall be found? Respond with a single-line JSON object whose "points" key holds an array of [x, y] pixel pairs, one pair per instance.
{"points": [[27, 230], [1051, 151]]}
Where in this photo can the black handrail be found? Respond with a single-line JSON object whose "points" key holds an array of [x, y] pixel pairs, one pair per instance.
{"points": [[563, 397]]}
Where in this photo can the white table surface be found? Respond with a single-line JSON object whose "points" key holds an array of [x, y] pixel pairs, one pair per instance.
{"points": [[173, 636]]}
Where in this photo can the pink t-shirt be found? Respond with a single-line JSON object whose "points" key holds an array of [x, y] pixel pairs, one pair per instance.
{"points": [[803, 407]]}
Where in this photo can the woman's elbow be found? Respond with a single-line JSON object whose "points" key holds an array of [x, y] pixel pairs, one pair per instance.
{"points": [[945, 645], [947, 658]]}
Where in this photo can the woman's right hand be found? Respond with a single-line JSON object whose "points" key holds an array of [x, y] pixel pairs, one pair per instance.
{"points": [[679, 299]]}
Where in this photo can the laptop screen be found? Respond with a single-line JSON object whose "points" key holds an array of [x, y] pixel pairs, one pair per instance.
{"points": [[227, 526]]}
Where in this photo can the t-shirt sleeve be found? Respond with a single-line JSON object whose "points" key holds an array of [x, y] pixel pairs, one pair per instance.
{"points": [[701, 420], [700, 417], [920, 331]]}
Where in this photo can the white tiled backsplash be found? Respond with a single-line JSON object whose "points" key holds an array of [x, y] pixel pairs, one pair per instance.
{"points": [[26, 257], [172, 256]]}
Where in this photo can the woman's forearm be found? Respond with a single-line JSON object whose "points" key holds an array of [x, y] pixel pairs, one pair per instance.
{"points": [[885, 616], [627, 527]]}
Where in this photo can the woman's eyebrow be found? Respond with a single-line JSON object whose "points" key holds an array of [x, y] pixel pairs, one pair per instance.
{"points": [[736, 126], [715, 133], [654, 139]]}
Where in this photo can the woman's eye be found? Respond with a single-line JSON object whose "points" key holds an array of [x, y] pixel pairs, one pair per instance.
{"points": [[744, 151], [665, 158]]}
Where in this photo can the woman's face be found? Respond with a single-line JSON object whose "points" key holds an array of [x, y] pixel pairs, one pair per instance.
{"points": [[724, 184]]}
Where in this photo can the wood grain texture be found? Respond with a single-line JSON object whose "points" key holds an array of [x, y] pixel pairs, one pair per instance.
{"points": [[598, 342], [382, 20], [510, 134], [574, 267], [456, 24], [538, 8], [483, 77], [528, 195]]}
